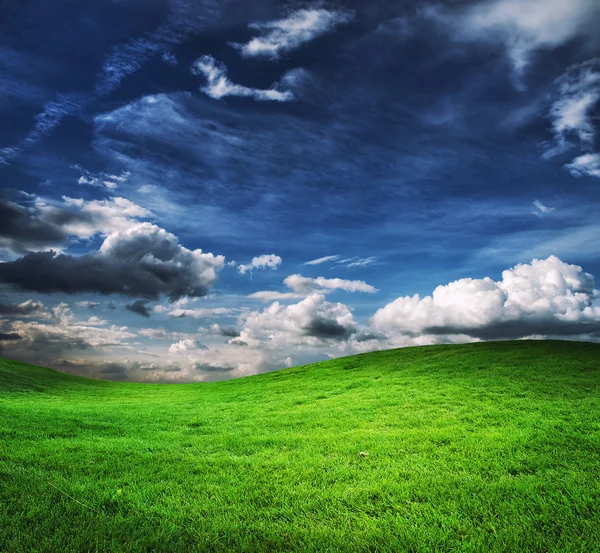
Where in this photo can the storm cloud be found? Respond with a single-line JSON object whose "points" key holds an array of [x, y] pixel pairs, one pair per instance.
{"points": [[143, 261]]}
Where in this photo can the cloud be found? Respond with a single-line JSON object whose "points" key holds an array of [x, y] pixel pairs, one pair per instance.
{"points": [[586, 165], [270, 261], [313, 321], [185, 19], [102, 180], [201, 312], [9, 337], [63, 335], [269, 295], [545, 297], [522, 27], [320, 260], [541, 209], [45, 121], [140, 307], [47, 224], [87, 304], [305, 285], [184, 346], [571, 113], [143, 261], [218, 84], [24, 309], [354, 262], [287, 34]]}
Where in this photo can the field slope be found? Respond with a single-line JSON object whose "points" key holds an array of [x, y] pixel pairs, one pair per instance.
{"points": [[479, 447]]}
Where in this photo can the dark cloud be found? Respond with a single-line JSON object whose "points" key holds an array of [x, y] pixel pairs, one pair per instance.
{"points": [[207, 367], [28, 307], [328, 329], [140, 307], [510, 330], [10, 337], [144, 261], [20, 231], [229, 332]]}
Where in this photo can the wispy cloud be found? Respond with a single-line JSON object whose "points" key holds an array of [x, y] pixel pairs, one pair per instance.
{"points": [[571, 112], [287, 34], [573, 117], [305, 285], [185, 19], [322, 260], [101, 180], [218, 84], [353, 262], [540, 209], [522, 27], [586, 165]]}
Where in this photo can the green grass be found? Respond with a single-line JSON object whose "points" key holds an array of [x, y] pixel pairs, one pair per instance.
{"points": [[481, 447]]}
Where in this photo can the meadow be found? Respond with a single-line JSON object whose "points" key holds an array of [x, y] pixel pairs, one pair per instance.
{"points": [[487, 447]]}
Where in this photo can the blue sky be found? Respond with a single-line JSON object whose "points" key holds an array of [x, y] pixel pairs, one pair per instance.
{"points": [[204, 190]]}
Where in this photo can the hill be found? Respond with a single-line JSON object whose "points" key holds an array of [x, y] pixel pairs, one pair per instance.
{"points": [[477, 447]]}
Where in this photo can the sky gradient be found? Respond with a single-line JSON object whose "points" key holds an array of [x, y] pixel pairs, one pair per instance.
{"points": [[203, 190]]}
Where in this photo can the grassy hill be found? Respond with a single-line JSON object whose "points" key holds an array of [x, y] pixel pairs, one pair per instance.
{"points": [[479, 447]]}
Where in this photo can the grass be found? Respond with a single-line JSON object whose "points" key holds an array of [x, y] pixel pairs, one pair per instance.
{"points": [[476, 448]]}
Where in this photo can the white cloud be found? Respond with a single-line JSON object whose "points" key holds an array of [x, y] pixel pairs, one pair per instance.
{"points": [[185, 19], [323, 260], [586, 165], [271, 295], [571, 113], [184, 346], [218, 84], [91, 217], [541, 209], [313, 321], [269, 261], [354, 262], [287, 34], [101, 180], [523, 27], [546, 297], [202, 312], [305, 285], [64, 334]]}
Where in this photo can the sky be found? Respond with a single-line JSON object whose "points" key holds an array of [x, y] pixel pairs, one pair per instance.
{"points": [[203, 190]]}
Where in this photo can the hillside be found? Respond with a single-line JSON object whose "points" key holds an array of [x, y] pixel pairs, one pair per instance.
{"points": [[477, 447]]}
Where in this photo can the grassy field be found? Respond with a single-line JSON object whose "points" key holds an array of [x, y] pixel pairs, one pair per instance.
{"points": [[481, 447]]}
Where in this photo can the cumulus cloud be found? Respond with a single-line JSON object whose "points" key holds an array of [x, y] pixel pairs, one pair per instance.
{"points": [[185, 346], [313, 321], [545, 297], [64, 334], [218, 84], [284, 35], [306, 285], [48, 224], [522, 27], [261, 262], [24, 309], [142, 261]]}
